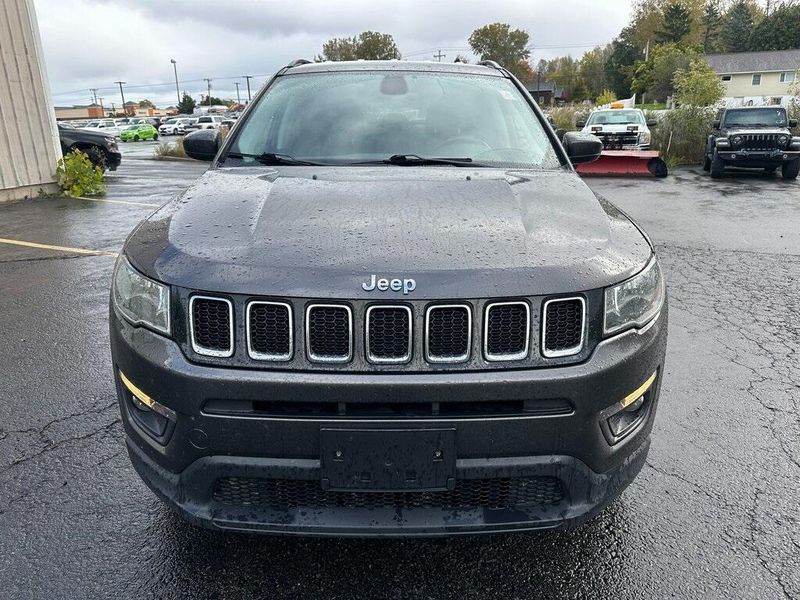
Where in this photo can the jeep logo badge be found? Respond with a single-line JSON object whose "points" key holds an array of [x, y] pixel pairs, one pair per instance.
{"points": [[383, 284]]}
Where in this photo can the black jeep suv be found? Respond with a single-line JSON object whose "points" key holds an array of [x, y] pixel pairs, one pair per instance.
{"points": [[390, 307], [754, 138]]}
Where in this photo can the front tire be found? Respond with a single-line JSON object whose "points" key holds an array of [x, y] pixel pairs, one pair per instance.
{"points": [[155, 137], [136, 138], [717, 166], [98, 157], [789, 170], [706, 163]]}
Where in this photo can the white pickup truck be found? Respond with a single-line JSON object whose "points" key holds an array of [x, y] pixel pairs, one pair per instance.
{"points": [[619, 128]]}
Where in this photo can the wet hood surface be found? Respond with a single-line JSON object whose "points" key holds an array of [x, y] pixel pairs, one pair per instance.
{"points": [[320, 232]]}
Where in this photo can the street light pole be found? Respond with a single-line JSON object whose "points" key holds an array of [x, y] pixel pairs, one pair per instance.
{"points": [[238, 99], [208, 81], [248, 77], [177, 89], [121, 93]]}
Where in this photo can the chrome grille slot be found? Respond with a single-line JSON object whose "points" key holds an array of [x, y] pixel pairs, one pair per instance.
{"points": [[211, 326], [388, 334], [270, 334], [448, 333], [563, 326], [506, 331], [329, 333]]}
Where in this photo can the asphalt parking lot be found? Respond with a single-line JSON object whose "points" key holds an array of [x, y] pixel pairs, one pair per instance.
{"points": [[715, 512]]}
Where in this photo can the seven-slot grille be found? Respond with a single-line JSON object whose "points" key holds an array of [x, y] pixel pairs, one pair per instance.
{"points": [[388, 335], [329, 333], [448, 333], [387, 331], [758, 141], [563, 325], [211, 326], [506, 331], [270, 334]]}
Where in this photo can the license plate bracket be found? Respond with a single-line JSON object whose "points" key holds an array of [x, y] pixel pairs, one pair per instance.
{"points": [[377, 460]]}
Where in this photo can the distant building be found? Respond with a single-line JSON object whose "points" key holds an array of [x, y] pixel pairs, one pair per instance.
{"points": [[69, 113], [757, 78], [546, 93]]}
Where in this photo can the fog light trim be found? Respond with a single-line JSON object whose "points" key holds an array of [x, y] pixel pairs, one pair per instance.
{"points": [[638, 392], [145, 399]]}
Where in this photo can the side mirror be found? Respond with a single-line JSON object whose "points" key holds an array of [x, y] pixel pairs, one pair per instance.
{"points": [[580, 124], [715, 125], [202, 144], [652, 122], [792, 123], [582, 147]]}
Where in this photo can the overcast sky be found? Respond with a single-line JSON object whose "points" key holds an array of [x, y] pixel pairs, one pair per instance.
{"points": [[92, 43]]}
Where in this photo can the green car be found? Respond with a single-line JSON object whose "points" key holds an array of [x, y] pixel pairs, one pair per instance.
{"points": [[142, 131]]}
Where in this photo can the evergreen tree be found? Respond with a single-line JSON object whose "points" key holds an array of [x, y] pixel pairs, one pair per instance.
{"points": [[737, 27], [677, 23], [186, 105], [620, 63], [712, 26], [778, 31]]}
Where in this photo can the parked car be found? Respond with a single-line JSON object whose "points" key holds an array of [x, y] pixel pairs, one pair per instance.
{"points": [[107, 126], [389, 308], [754, 138], [206, 122], [100, 147], [175, 126], [141, 131], [619, 128]]}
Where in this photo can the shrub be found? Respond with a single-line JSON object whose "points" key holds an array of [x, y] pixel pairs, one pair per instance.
{"points": [[170, 149], [682, 133], [565, 117], [77, 176], [607, 97], [698, 85]]}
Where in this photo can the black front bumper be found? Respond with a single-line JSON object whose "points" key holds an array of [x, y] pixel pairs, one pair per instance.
{"points": [[261, 459], [754, 159]]}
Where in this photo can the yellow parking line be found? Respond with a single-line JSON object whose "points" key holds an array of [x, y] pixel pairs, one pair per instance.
{"points": [[58, 248], [119, 201]]}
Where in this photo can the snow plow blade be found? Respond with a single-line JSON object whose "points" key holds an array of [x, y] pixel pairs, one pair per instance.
{"points": [[625, 163]]}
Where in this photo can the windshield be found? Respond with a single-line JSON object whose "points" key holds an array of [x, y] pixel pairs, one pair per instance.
{"points": [[616, 117], [351, 117], [131, 127], [93, 124], [170, 121], [763, 117]]}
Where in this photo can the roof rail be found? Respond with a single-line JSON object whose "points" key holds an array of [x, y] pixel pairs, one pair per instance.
{"points": [[298, 62], [490, 63]]}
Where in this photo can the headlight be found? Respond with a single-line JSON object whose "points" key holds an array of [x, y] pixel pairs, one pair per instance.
{"points": [[737, 139], [141, 300], [783, 140], [644, 137], [634, 302]]}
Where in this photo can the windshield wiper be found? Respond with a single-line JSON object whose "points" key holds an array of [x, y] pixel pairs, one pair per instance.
{"points": [[414, 160], [273, 158]]}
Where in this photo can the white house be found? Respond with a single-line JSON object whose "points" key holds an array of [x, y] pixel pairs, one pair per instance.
{"points": [[757, 78]]}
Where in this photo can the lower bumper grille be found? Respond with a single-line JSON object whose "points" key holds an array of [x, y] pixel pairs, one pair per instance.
{"points": [[283, 494]]}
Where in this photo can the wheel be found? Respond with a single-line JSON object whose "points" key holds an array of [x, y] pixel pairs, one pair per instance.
{"points": [[155, 137], [657, 167], [706, 163], [136, 138], [98, 156], [717, 166], [175, 131], [789, 170]]}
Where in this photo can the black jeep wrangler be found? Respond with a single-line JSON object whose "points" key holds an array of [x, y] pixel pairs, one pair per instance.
{"points": [[754, 138]]}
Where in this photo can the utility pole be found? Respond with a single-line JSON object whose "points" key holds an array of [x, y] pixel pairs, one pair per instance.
{"points": [[113, 109], [177, 89], [439, 56], [102, 108], [208, 81], [121, 93], [238, 99], [94, 94], [248, 77]]}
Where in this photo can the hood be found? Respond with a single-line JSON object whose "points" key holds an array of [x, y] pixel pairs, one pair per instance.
{"points": [[744, 130], [320, 232]]}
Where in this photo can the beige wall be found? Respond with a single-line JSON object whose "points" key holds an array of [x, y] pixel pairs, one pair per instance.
{"points": [[29, 147], [741, 85]]}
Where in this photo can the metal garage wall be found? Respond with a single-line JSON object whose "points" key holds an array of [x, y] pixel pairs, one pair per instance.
{"points": [[29, 147]]}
